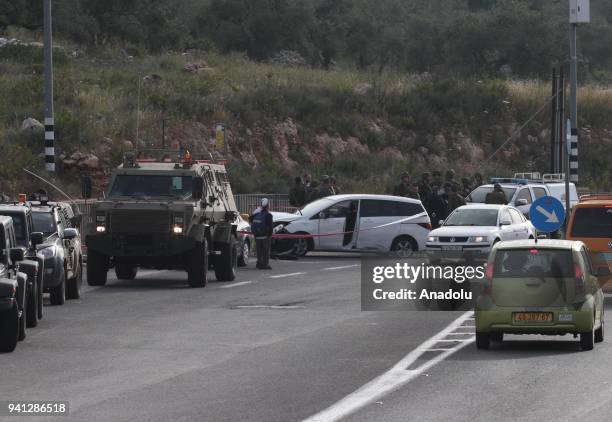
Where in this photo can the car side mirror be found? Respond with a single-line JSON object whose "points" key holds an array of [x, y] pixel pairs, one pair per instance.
{"points": [[70, 234], [505, 223], [36, 238], [86, 187], [17, 255], [603, 272], [197, 188], [322, 215], [441, 222], [521, 202]]}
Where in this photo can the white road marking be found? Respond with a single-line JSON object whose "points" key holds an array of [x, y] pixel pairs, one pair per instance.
{"points": [[344, 267], [269, 307], [286, 275], [242, 283], [394, 378], [151, 272]]}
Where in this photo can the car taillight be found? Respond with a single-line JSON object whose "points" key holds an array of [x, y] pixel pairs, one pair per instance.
{"points": [[426, 225], [488, 284], [578, 280]]}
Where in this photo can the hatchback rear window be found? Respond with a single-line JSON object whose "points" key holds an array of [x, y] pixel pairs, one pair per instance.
{"points": [[521, 263], [592, 222]]}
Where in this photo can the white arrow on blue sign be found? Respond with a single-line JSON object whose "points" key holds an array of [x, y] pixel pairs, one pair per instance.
{"points": [[547, 214]]}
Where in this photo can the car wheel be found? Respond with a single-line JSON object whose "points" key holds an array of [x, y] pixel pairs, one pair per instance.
{"points": [[41, 312], [22, 324], [243, 259], [126, 271], [9, 329], [73, 289], [587, 340], [403, 246], [32, 305], [197, 265], [497, 337], [97, 268], [301, 246], [226, 263], [599, 333], [483, 340], [58, 293]]}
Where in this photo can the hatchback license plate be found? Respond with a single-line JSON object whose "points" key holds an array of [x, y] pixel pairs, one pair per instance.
{"points": [[522, 317]]}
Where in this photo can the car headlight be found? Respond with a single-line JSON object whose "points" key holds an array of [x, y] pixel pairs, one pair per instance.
{"points": [[432, 238], [478, 239], [177, 230], [100, 223], [47, 252]]}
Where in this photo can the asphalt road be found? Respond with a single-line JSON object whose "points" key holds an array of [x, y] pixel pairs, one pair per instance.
{"points": [[284, 345]]}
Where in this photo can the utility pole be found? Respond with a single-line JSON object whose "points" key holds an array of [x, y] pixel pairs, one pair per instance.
{"points": [[49, 121], [579, 13]]}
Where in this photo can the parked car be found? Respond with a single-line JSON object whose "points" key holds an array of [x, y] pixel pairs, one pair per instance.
{"points": [[474, 229], [545, 287], [61, 250], [245, 241], [591, 223], [520, 192], [33, 265], [355, 223], [13, 288]]}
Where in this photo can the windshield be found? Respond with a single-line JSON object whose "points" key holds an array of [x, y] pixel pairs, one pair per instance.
{"points": [[43, 222], [472, 217], [592, 222], [479, 195], [20, 229], [557, 263], [315, 207], [152, 186]]}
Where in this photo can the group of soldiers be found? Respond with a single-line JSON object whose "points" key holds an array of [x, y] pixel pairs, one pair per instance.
{"points": [[439, 194], [306, 190]]}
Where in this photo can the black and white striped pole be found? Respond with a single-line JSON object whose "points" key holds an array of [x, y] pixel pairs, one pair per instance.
{"points": [[579, 13], [49, 121]]}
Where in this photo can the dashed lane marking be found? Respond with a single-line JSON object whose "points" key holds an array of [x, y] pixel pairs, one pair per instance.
{"points": [[397, 376], [286, 275], [344, 267], [269, 307], [242, 283]]}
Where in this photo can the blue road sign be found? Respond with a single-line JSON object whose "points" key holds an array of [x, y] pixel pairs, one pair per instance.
{"points": [[547, 214]]}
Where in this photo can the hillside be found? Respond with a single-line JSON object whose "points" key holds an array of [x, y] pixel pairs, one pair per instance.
{"points": [[362, 118]]}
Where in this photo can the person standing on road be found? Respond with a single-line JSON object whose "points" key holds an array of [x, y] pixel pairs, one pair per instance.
{"points": [[332, 185], [425, 187], [403, 188], [297, 194], [478, 180], [262, 224], [325, 188], [413, 191], [437, 207], [466, 188], [497, 196], [453, 199]]}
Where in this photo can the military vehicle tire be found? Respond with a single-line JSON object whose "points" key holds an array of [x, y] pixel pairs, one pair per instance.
{"points": [[58, 293], [226, 263], [483, 340], [126, 271], [73, 288], [40, 310], [32, 305], [97, 268], [197, 265], [22, 324], [9, 329]]}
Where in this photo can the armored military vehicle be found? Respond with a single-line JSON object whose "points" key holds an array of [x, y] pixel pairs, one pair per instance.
{"points": [[165, 212]]}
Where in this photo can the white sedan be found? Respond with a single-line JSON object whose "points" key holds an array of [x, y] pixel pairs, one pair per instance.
{"points": [[474, 229]]}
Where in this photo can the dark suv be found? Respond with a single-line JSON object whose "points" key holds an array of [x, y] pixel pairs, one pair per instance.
{"points": [[13, 288], [61, 251]]}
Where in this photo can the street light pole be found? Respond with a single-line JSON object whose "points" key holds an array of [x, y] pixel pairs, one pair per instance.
{"points": [[573, 169], [49, 121]]}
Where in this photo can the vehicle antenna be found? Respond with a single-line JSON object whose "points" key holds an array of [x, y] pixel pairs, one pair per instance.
{"points": [[50, 184]]}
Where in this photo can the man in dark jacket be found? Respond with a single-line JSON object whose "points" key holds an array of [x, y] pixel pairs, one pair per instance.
{"points": [[413, 191], [262, 224], [437, 207], [453, 199], [297, 194]]}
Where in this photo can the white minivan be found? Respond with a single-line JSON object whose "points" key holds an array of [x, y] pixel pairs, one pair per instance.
{"points": [[355, 223]]}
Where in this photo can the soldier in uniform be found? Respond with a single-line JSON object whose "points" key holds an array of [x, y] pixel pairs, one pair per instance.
{"points": [[478, 180], [466, 188], [453, 199], [497, 196], [437, 207], [297, 194], [325, 188], [413, 191], [403, 188]]}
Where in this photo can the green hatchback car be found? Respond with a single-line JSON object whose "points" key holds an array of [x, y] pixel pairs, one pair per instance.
{"points": [[541, 287]]}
